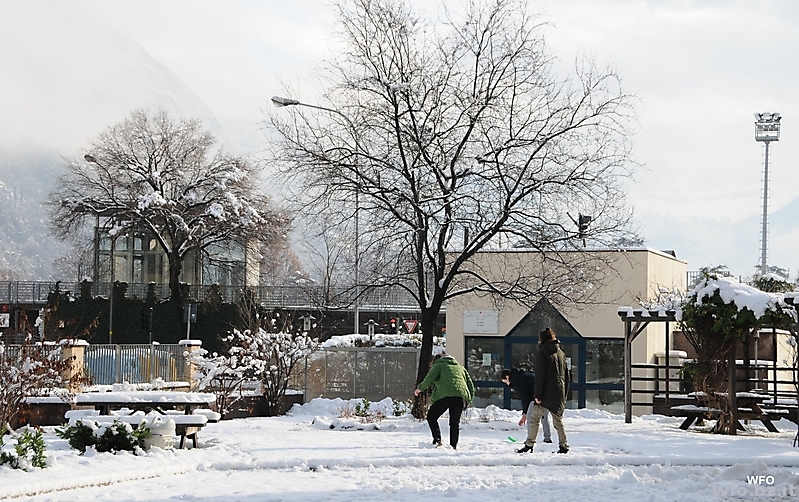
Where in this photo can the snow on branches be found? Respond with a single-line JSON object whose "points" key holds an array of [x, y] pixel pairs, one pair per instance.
{"points": [[31, 369], [265, 356]]}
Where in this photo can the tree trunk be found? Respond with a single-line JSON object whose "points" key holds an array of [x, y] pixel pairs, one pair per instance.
{"points": [[430, 329], [175, 266], [733, 411]]}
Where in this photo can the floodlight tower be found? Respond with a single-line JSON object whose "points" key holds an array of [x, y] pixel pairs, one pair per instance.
{"points": [[767, 129]]}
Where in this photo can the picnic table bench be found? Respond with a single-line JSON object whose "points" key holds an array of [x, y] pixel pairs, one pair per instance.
{"points": [[186, 426], [132, 406], [146, 401], [751, 406]]}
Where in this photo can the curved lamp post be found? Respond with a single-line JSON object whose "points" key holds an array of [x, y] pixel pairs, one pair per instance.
{"points": [[280, 101]]}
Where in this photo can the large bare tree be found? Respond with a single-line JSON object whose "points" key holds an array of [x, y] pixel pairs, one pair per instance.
{"points": [[455, 136], [166, 176]]}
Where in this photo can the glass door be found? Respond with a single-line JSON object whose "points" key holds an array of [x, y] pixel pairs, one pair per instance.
{"points": [[522, 352]]}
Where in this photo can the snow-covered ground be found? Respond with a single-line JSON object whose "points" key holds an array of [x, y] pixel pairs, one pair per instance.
{"points": [[312, 454]]}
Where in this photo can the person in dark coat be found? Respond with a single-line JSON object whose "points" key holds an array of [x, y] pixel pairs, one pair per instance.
{"points": [[523, 384], [551, 387], [453, 390]]}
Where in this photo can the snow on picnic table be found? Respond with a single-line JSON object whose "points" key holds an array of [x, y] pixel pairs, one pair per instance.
{"points": [[313, 454], [165, 397], [170, 397]]}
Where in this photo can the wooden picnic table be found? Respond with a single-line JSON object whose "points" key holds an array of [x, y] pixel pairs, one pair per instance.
{"points": [[146, 401], [186, 426], [750, 407]]}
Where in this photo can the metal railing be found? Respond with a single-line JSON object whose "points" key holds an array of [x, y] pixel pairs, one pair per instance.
{"points": [[18, 292], [283, 296], [107, 364]]}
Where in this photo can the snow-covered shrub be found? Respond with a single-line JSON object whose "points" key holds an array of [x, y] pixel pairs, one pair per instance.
{"points": [[362, 410], [220, 374], [28, 452], [79, 436], [401, 408], [268, 356], [118, 436], [773, 283], [31, 369]]}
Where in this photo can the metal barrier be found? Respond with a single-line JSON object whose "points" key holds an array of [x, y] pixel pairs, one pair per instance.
{"points": [[373, 373], [107, 364]]}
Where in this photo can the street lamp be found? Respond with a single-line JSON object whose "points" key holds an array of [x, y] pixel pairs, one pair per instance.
{"points": [[767, 129], [92, 160], [280, 101]]}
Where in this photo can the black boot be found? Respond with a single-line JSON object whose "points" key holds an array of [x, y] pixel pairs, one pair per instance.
{"points": [[563, 449], [525, 449]]}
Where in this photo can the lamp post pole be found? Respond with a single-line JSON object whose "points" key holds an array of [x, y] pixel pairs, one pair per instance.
{"points": [[92, 160], [111, 296], [280, 101]]}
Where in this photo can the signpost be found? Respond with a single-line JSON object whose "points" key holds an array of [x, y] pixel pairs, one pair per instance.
{"points": [[189, 316]]}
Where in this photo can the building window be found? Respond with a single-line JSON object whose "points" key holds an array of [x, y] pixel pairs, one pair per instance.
{"points": [[483, 396], [604, 361], [604, 374], [486, 357]]}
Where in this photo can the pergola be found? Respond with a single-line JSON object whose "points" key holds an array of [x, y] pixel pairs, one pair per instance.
{"points": [[635, 321]]}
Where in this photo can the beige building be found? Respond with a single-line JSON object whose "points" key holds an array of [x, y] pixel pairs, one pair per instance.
{"points": [[487, 335]]}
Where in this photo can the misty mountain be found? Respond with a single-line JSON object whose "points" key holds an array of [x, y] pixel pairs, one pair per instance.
{"points": [[60, 61]]}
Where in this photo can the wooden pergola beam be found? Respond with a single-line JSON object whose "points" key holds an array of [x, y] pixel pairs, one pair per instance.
{"points": [[635, 322]]}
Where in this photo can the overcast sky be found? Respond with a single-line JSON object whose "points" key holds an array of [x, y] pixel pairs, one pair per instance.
{"points": [[700, 68]]}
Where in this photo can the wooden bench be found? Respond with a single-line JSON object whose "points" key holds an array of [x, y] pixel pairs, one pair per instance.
{"points": [[212, 416], [186, 426]]}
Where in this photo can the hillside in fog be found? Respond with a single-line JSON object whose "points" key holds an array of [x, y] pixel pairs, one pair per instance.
{"points": [[65, 77]]}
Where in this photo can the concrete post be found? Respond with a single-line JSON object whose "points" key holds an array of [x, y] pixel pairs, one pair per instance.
{"points": [[189, 347], [74, 351]]}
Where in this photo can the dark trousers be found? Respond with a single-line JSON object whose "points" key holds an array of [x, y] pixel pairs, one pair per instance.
{"points": [[455, 407]]}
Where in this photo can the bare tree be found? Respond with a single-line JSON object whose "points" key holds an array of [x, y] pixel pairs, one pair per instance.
{"points": [[166, 176], [458, 136], [327, 247], [279, 264]]}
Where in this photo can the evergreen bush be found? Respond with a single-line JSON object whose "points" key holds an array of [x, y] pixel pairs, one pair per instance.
{"points": [[28, 452], [115, 437]]}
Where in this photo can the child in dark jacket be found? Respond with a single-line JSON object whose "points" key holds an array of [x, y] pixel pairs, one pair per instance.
{"points": [[523, 384]]}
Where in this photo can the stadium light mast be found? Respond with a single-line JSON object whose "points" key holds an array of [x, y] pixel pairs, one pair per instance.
{"points": [[767, 129]]}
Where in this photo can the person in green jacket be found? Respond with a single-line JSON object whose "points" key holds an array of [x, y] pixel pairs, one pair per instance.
{"points": [[453, 390]]}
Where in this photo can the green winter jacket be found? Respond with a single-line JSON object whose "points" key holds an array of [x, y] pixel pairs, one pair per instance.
{"points": [[551, 377], [450, 380]]}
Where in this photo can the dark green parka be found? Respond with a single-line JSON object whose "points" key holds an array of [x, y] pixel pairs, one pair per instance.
{"points": [[551, 377]]}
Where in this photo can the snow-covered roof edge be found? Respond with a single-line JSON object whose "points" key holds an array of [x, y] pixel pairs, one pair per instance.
{"points": [[665, 254]]}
